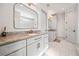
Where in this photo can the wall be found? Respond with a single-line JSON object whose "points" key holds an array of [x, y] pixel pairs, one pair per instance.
{"points": [[43, 21], [78, 25], [61, 22], [60, 25], [71, 24], [6, 17]]}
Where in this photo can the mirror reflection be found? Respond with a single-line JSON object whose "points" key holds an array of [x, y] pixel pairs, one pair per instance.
{"points": [[24, 17]]}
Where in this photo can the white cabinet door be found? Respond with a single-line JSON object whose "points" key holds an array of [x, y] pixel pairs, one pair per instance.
{"points": [[21, 52], [33, 49], [41, 45], [7, 49], [45, 41], [37, 46]]}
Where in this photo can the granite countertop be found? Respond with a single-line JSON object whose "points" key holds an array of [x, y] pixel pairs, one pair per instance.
{"points": [[14, 38]]}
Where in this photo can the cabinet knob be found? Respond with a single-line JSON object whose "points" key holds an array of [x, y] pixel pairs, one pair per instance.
{"points": [[73, 30], [38, 45]]}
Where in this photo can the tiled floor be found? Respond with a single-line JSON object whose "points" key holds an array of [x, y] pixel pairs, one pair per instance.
{"points": [[62, 48]]}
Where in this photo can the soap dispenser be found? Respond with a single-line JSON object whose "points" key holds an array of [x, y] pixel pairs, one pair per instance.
{"points": [[3, 34]]}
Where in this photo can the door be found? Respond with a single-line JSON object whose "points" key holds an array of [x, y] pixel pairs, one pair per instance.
{"points": [[33, 49], [46, 41], [70, 26]]}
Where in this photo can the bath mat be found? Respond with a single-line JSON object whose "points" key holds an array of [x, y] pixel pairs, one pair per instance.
{"points": [[57, 40]]}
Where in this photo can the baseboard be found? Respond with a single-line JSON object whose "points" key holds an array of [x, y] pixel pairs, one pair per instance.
{"points": [[77, 44], [59, 37]]}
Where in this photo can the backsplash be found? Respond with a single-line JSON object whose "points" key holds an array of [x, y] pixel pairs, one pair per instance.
{"points": [[21, 32]]}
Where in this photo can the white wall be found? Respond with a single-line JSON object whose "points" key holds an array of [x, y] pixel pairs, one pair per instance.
{"points": [[78, 25], [6, 17], [43, 21], [71, 24], [60, 25]]}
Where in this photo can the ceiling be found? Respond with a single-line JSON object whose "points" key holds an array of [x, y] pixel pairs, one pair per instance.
{"points": [[56, 7]]}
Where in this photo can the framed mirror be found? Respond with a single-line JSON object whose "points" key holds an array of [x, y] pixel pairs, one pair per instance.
{"points": [[24, 17]]}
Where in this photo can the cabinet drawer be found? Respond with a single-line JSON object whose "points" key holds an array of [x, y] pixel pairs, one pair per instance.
{"points": [[33, 49], [6, 49], [34, 39], [21, 52]]}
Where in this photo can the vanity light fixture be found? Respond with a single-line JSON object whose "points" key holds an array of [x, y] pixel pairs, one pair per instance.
{"points": [[50, 17]]}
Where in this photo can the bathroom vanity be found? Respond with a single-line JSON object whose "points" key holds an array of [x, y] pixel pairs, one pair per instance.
{"points": [[29, 45]]}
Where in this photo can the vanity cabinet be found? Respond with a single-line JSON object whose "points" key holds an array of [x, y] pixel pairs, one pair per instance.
{"points": [[37, 45], [11, 48], [34, 46]]}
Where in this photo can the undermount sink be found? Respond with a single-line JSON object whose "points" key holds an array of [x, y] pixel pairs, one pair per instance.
{"points": [[33, 34], [30, 34]]}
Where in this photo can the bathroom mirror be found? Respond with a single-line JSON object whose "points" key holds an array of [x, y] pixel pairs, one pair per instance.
{"points": [[24, 17]]}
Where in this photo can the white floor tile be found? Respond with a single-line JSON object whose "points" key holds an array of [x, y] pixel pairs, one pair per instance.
{"points": [[63, 48]]}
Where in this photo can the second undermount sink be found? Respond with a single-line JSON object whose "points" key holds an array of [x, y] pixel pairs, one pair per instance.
{"points": [[30, 34], [33, 34]]}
